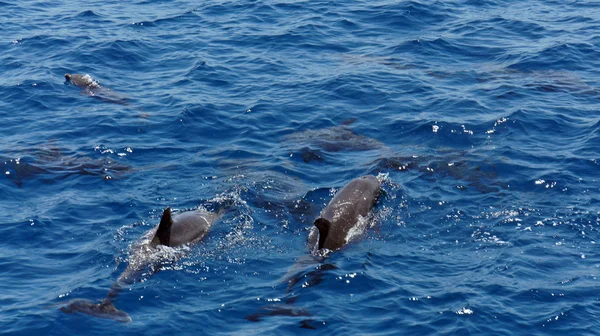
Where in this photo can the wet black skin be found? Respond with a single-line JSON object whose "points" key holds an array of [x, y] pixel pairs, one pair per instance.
{"points": [[343, 212], [82, 81]]}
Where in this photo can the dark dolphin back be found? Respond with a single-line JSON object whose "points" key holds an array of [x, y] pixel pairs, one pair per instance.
{"points": [[191, 226], [342, 213]]}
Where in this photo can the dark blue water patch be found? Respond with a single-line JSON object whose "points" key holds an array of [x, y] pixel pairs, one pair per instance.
{"points": [[346, 88], [404, 15], [125, 53], [179, 19], [88, 17], [500, 25], [216, 75], [41, 43], [347, 24], [186, 125], [87, 14], [571, 56], [15, 94]]}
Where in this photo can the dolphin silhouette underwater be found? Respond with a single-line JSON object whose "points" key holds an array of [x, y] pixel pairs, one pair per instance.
{"points": [[173, 230]]}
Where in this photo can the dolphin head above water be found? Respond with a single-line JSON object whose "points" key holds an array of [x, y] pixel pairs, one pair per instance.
{"points": [[82, 81]]}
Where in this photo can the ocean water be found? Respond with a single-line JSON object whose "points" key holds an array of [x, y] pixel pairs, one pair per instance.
{"points": [[480, 118]]}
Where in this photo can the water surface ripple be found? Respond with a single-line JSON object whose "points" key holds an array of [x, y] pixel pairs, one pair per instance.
{"points": [[480, 117]]}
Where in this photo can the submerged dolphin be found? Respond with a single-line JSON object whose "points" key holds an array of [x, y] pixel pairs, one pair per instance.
{"points": [[51, 165], [345, 211], [94, 89], [182, 228], [332, 139]]}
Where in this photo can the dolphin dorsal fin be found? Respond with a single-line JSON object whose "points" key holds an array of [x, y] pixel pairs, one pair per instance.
{"points": [[163, 233], [323, 225]]}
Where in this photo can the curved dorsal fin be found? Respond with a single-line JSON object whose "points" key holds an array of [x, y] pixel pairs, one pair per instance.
{"points": [[163, 233], [323, 225]]}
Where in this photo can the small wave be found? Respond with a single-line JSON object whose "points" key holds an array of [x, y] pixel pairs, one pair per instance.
{"points": [[561, 56]]}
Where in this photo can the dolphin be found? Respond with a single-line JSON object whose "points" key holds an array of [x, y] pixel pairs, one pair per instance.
{"points": [[345, 210], [332, 139], [92, 88], [83, 81], [50, 168], [173, 230]]}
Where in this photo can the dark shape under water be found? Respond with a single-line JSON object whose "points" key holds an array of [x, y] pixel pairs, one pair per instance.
{"points": [[309, 155], [51, 165], [18, 170], [92, 88], [104, 309], [331, 139], [304, 324], [312, 277], [286, 309], [479, 176], [184, 228]]}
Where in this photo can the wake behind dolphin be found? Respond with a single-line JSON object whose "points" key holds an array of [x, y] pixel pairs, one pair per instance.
{"points": [[172, 231]]}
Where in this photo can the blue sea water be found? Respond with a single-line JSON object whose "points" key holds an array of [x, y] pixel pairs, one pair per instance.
{"points": [[481, 119]]}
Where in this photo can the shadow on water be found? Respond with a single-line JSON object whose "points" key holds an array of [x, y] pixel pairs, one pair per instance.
{"points": [[144, 261], [309, 270]]}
